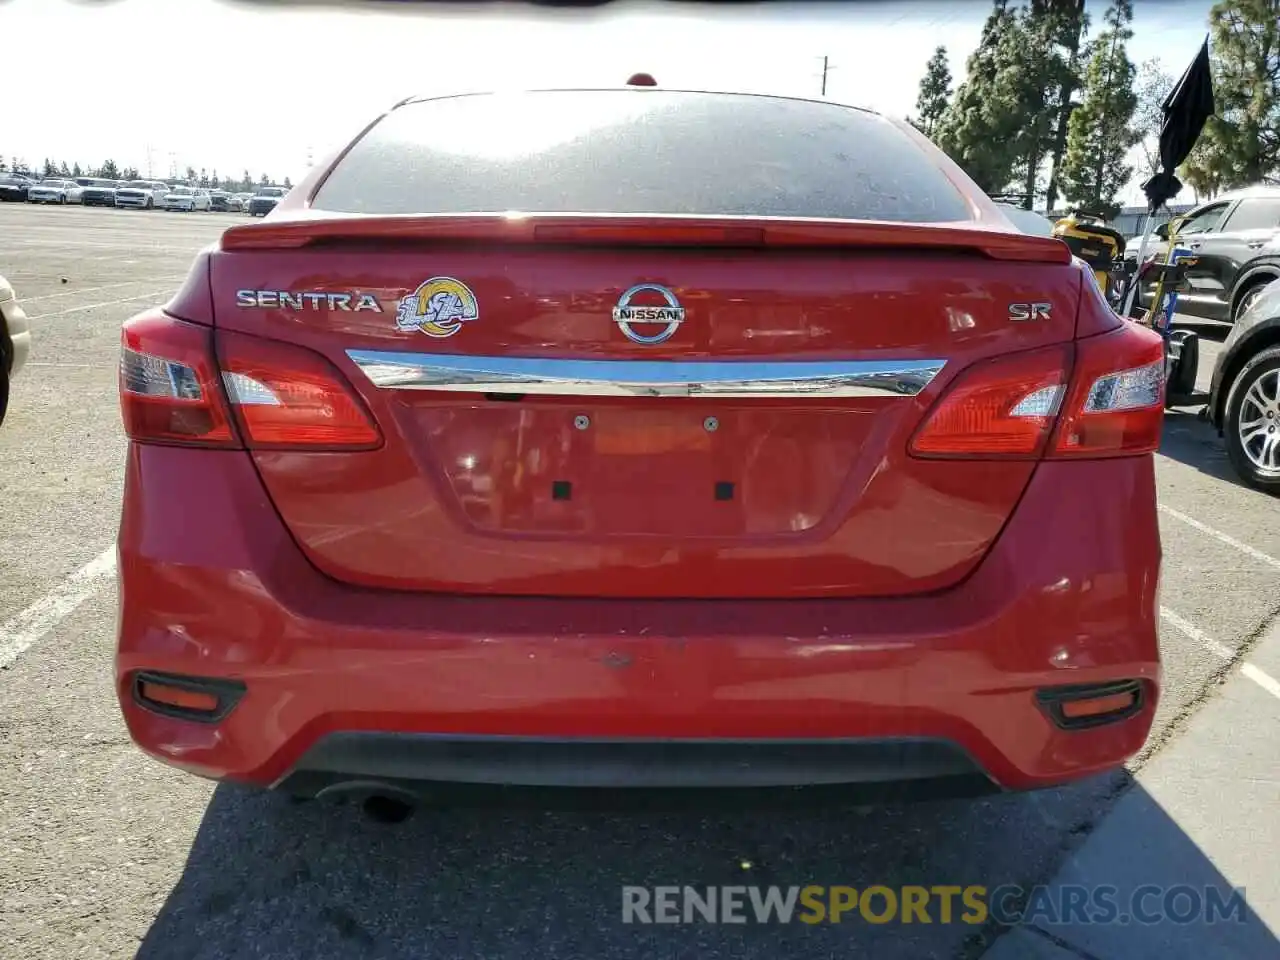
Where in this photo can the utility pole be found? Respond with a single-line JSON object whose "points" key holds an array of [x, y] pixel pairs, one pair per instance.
{"points": [[149, 173], [827, 66]]}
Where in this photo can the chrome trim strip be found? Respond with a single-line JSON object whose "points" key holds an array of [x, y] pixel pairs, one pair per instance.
{"points": [[645, 378]]}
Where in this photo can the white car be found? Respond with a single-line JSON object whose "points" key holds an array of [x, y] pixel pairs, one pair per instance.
{"points": [[142, 194], [15, 341], [1027, 221], [188, 198], [55, 191]]}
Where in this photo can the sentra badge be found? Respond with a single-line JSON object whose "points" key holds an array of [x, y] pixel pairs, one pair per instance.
{"points": [[314, 300], [438, 307], [666, 316]]}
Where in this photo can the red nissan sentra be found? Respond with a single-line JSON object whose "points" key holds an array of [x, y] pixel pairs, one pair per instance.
{"points": [[638, 438]]}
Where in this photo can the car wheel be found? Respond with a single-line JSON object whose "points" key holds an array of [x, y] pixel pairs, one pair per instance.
{"points": [[150, 205], [1248, 298], [1253, 422]]}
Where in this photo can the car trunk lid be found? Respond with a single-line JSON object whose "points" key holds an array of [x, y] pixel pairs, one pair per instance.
{"points": [[643, 407]]}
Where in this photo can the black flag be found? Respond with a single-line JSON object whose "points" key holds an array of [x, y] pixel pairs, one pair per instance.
{"points": [[1186, 108]]}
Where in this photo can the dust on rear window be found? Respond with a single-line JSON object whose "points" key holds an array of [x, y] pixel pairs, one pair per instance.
{"points": [[640, 151]]}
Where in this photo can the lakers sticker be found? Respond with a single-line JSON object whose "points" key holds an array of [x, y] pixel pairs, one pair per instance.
{"points": [[438, 307]]}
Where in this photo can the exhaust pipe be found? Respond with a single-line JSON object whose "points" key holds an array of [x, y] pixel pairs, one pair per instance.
{"points": [[380, 802], [385, 809]]}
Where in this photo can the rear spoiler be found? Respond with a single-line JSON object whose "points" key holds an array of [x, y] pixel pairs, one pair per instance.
{"points": [[309, 229]]}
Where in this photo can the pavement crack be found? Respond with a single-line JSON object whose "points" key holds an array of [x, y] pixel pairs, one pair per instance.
{"points": [[1062, 944]]}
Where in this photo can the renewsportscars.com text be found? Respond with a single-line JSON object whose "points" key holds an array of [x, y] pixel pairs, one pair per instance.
{"points": [[1010, 904]]}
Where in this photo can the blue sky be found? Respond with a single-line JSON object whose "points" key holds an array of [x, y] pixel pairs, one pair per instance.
{"points": [[233, 84]]}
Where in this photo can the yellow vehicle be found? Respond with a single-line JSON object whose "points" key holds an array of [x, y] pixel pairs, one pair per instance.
{"points": [[1097, 244]]}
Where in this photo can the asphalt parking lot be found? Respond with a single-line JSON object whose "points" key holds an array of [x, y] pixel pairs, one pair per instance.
{"points": [[105, 853]]}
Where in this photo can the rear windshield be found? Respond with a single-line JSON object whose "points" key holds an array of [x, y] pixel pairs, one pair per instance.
{"points": [[271, 192], [639, 151]]}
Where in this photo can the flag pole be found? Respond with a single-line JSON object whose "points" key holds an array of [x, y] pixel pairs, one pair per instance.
{"points": [[1131, 294]]}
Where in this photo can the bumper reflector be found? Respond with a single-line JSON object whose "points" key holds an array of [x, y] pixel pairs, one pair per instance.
{"points": [[186, 698], [1091, 705]]}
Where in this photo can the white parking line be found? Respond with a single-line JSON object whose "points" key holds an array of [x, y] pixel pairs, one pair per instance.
{"points": [[106, 286], [1258, 676], [105, 303], [31, 625], [1222, 537]]}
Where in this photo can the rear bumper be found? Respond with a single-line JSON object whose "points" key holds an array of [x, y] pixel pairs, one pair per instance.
{"points": [[347, 684], [420, 764]]}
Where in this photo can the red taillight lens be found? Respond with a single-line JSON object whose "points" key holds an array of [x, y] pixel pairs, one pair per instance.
{"points": [[1008, 407], [169, 389], [285, 396], [1116, 403], [998, 408]]}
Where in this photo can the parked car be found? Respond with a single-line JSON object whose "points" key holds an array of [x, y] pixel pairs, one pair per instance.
{"points": [[223, 202], [1226, 235], [55, 191], [917, 543], [14, 187], [99, 192], [244, 199], [1244, 394], [265, 200], [1028, 221], [142, 194], [188, 199], [15, 341]]}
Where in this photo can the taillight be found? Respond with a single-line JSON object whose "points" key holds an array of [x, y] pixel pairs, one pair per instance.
{"points": [[1102, 396], [169, 390], [998, 408], [285, 396], [1116, 403]]}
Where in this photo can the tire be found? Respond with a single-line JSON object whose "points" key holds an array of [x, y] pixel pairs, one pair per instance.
{"points": [[151, 204], [1255, 398], [1182, 382], [4, 385], [1247, 299]]}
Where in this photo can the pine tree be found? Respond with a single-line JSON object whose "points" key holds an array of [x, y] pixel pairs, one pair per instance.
{"points": [[1101, 132], [1036, 64], [130, 173], [1075, 22], [247, 183], [109, 171], [288, 184], [976, 130], [1244, 137], [63, 169], [48, 170], [935, 93], [213, 179], [76, 171], [264, 181]]}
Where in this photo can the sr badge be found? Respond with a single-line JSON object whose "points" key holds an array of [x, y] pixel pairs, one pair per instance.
{"points": [[438, 307]]}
